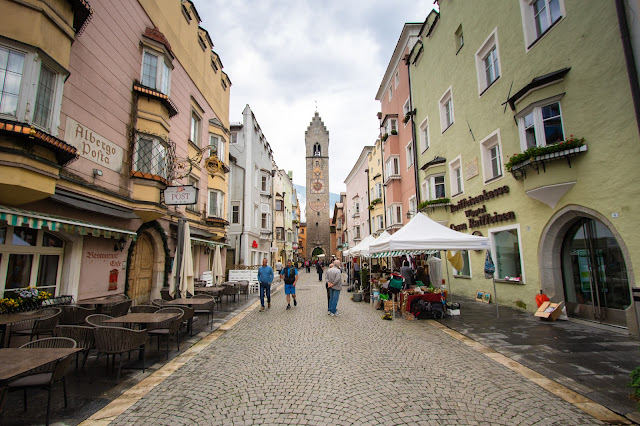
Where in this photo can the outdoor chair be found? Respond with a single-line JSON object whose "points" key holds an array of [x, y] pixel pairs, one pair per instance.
{"points": [[116, 341], [74, 315], [82, 334], [147, 309], [119, 309], [207, 308], [38, 326], [187, 319], [169, 327], [243, 288], [231, 290], [45, 376], [159, 302], [97, 320]]}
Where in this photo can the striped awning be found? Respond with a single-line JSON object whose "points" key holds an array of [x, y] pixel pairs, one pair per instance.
{"points": [[397, 253], [36, 220], [201, 242]]}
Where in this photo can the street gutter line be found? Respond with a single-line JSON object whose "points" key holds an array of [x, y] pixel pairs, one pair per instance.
{"points": [[579, 401]]}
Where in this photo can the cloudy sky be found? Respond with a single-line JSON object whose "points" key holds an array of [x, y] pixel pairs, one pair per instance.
{"points": [[283, 56]]}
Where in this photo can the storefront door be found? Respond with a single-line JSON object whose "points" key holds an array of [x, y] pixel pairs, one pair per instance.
{"points": [[595, 279], [141, 271]]}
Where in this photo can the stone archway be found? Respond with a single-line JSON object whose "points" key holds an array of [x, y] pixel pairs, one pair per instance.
{"points": [[550, 250], [317, 251]]}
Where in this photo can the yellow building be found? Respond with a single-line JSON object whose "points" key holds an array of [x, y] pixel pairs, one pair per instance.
{"points": [[377, 203]]}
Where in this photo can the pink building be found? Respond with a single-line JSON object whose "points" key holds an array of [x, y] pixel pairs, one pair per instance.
{"points": [[396, 133]]}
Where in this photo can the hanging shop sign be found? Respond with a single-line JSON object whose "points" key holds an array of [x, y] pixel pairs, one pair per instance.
{"points": [[254, 244], [180, 195]]}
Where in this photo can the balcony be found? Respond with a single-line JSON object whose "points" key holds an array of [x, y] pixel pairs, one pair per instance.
{"points": [[539, 162], [356, 214]]}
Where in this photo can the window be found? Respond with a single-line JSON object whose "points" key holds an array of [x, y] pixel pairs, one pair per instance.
{"points": [[424, 135], [446, 110], [392, 167], [216, 204], [357, 230], [540, 125], [255, 215], [397, 78], [195, 128], [264, 183], [425, 189], [406, 108], [265, 221], [151, 156], [466, 269], [279, 234], [234, 138], [214, 65], [380, 220], [390, 91], [413, 206], [505, 242], [192, 181], [317, 151], [217, 147], [235, 212], [488, 62], [491, 153], [279, 205], [435, 187], [393, 126], [538, 16], [409, 154], [455, 173], [459, 36], [30, 88], [356, 207], [378, 190], [394, 215], [156, 73]]}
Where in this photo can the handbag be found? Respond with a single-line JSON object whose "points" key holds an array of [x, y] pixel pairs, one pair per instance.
{"points": [[395, 283]]}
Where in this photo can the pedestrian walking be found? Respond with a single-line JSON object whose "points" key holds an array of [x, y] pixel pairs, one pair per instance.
{"points": [[319, 270], [290, 276], [278, 267], [334, 282], [407, 274], [307, 264], [265, 278]]}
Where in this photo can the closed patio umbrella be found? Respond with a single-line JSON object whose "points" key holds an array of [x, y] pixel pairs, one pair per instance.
{"points": [[186, 266], [216, 267]]}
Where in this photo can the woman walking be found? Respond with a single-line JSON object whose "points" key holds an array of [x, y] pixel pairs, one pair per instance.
{"points": [[319, 270]]}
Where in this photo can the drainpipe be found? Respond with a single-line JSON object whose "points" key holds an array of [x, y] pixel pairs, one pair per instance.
{"points": [[632, 72], [368, 189], [384, 187], [412, 113]]}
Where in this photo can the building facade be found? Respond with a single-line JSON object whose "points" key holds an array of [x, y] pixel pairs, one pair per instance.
{"points": [[120, 114], [357, 200], [283, 215], [316, 139], [251, 192], [396, 134], [516, 149], [377, 203]]}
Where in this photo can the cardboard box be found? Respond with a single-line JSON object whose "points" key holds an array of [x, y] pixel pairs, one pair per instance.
{"points": [[549, 310], [453, 312], [388, 305]]}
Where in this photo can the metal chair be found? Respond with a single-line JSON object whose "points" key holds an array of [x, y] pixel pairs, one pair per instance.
{"points": [[147, 309], [74, 315], [169, 327], [82, 334], [206, 308], [97, 320], [116, 341], [38, 326], [45, 376]]}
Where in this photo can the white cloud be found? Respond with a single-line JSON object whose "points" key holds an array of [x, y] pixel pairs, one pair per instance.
{"points": [[283, 56]]}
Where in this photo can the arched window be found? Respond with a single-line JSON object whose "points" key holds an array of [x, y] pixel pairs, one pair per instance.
{"points": [[316, 150]]}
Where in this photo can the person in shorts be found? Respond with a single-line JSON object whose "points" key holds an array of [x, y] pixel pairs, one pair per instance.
{"points": [[290, 277]]}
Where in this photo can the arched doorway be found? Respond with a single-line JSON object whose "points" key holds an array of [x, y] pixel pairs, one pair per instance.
{"points": [[317, 252], [141, 270], [596, 286]]}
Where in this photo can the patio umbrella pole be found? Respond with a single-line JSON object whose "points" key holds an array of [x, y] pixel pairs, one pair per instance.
{"points": [[496, 298], [178, 260]]}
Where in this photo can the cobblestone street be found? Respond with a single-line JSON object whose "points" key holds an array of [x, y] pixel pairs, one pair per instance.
{"points": [[303, 367]]}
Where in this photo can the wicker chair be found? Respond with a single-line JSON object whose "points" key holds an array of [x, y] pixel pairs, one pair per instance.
{"points": [[46, 375], [82, 334], [187, 319], [118, 309], [74, 315], [230, 290], [97, 320], [149, 309], [165, 295], [38, 326], [159, 302], [207, 308], [116, 341], [243, 288], [169, 327]]}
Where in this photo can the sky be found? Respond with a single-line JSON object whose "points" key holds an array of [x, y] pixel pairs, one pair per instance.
{"points": [[286, 57]]}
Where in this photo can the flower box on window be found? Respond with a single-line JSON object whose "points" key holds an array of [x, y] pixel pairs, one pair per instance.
{"points": [[536, 156]]}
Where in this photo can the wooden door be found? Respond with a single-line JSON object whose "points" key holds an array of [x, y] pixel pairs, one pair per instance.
{"points": [[141, 271]]}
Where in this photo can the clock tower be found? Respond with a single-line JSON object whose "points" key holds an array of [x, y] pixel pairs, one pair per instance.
{"points": [[316, 140]]}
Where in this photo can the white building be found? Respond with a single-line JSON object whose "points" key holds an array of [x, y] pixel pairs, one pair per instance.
{"points": [[250, 192], [356, 204]]}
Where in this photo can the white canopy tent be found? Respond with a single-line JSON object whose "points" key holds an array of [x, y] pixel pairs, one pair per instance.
{"points": [[362, 248], [422, 234]]}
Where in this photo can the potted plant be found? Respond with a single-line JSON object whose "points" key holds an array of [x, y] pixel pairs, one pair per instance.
{"points": [[533, 153]]}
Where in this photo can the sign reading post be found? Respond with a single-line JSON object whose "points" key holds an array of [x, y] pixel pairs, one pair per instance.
{"points": [[180, 195]]}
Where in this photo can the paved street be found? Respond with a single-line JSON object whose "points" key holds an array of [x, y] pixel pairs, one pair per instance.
{"points": [[304, 367]]}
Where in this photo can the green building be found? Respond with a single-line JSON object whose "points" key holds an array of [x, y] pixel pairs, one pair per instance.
{"points": [[493, 79]]}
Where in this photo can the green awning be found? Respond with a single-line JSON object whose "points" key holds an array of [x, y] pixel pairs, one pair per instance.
{"points": [[397, 253], [37, 220]]}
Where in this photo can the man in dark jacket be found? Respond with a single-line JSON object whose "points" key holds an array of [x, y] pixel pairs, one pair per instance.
{"points": [[290, 277]]}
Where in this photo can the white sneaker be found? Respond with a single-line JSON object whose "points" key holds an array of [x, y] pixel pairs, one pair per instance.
{"points": [[328, 313], [337, 314]]}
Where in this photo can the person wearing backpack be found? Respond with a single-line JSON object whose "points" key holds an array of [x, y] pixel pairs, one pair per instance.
{"points": [[290, 277]]}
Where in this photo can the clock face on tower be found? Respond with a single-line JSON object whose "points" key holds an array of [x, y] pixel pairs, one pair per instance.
{"points": [[317, 186], [317, 173]]}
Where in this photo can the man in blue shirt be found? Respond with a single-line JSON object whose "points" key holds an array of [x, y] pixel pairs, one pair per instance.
{"points": [[265, 277], [290, 276]]}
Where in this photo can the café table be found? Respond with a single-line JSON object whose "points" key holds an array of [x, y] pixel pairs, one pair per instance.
{"points": [[16, 361], [188, 301], [7, 319]]}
